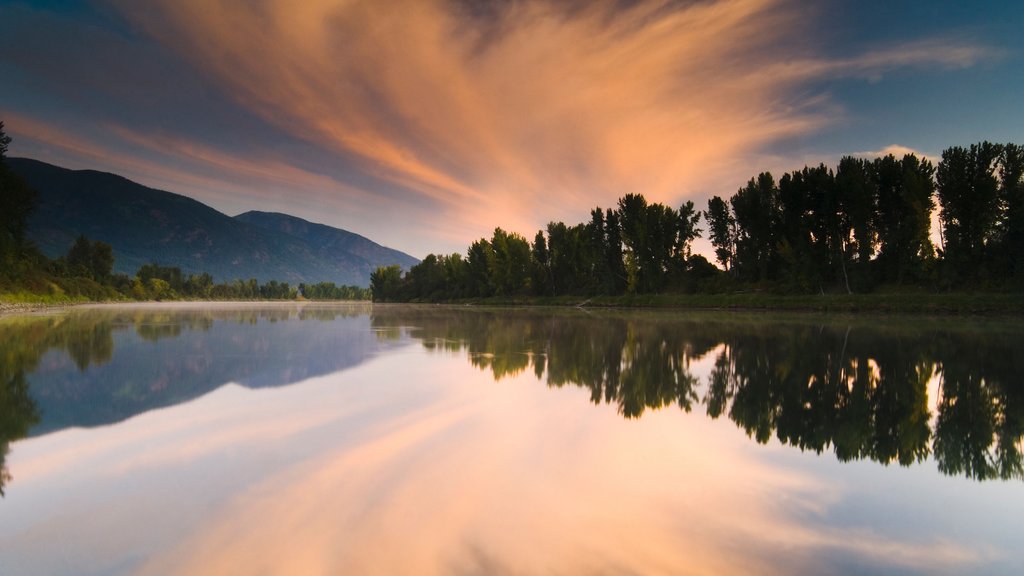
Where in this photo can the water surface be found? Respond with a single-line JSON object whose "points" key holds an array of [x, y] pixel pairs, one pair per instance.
{"points": [[326, 439]]}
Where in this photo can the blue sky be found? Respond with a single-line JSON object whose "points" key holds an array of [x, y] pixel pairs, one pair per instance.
{"points": [[424, 124]]}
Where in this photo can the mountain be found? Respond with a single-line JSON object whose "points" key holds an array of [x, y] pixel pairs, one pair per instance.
{"points": [[145, 225], [328, 241]]}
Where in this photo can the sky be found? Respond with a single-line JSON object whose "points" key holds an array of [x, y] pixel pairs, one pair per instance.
{"points": [[425, 124]]}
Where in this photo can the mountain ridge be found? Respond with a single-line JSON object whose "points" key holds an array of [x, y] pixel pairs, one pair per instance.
{"points": [[326, 239], [145, 225]]}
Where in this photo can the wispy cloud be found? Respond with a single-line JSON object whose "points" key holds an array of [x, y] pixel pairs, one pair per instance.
{"points": [[528, 110], [425, 123]]}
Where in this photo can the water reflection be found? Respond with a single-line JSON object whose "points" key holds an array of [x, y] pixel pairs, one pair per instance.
{"points": [[860, 390], [98, 366], [17, 414], [857, 389], [421, 451]]}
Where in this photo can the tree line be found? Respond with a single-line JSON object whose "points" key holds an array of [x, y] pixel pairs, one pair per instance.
{"points": [[863, 225], [86, 270], [637, 247]]}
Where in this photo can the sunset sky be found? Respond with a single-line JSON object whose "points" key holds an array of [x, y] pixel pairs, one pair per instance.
{"points": [[423, 124]]}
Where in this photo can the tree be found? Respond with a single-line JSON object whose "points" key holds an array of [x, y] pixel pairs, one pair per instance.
{"points": [[385, 283], [101, 261], [508, 263], [426, 280], [904, 190], [830, 229], [633, 222], [857, 202], [17, 200], [1011, 192], [477, 268], [721, 231], [79, 257], [617, 279], [567, 248], [4, 141], [541, 275], [455, 275], [969, 197], [795, 229], [595, 256], [689, 218], [756, 210]]}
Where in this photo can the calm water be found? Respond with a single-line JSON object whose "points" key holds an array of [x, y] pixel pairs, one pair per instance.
{"points": [[347, 439]]}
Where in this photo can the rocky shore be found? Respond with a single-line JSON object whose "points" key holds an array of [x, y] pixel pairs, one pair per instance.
{"points": [[8, 308]]}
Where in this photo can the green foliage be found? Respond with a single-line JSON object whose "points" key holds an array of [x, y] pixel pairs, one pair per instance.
{"points": [[329, 291], [85, 259], [16, 203], [386, 283], [508, 264]]}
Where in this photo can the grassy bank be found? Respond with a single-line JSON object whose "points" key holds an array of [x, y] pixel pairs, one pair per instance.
{"points": [[988, 304], [912, 303]]}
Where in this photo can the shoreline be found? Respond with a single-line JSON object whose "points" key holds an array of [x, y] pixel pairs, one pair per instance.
{"points": [[892, 304], [15, 308]]}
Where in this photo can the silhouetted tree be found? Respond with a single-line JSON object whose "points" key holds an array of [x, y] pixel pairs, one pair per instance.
{"points": [[755, 208], [541, 271], [969, 197], [613, 254], [17, 200], [721, 231], [857, 202], [1011, 192]]}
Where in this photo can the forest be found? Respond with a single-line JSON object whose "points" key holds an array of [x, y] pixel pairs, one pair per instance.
{"points": [[862, 227]]}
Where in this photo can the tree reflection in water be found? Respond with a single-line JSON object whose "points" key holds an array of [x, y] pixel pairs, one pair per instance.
{"points": [[857, 388]]}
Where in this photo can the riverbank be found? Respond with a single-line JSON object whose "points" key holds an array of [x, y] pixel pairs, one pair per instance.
{"points": [[9, 308], [910, 303], [897, 303]]}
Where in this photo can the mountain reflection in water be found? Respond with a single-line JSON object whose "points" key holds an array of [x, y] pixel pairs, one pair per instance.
{"points": [[891, 391], [97, 366]]}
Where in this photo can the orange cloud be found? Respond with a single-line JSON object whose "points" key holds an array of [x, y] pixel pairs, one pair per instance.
{"points": [[536, 111]]}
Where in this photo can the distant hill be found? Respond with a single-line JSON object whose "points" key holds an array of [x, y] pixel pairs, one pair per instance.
{"points": [[328, 241], [146, 225]]}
